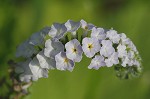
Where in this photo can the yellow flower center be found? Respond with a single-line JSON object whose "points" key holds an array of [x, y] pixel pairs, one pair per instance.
{"points": [[66, 60], [90, 46], [86, 27], [74, 50]]}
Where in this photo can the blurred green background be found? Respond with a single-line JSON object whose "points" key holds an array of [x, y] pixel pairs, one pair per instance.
{"points": [[20, 18]]}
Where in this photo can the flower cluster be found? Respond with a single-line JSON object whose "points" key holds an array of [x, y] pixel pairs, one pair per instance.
{"points": [[60, 47]]}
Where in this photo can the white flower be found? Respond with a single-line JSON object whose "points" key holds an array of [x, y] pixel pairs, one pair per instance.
{"points": [[52, 48], [37, 39], [57, 30], [124, 39], [131, 54], [86, 26], [125, 61], [113, 36], [23, 69], [132, 46], [72, 26], [63, 63], [45, 30], [45, 62], [121, 51], [25, 50], [36, 69], [107, 49], [74, 50], [98, 33], [27, 78], [97, 62], [112, 60], [90, 46], [136, 62], [130, 62]]}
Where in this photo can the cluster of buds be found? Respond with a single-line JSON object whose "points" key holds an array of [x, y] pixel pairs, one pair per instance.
{"points": [[62, 45]]}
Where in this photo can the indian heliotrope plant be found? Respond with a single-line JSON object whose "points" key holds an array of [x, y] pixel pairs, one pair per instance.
{"points": [[60, 46]]}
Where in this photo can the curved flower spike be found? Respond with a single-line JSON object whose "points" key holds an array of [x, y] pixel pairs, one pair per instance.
{"points": [[63, 63], [105, 47], [52, 48], [74, 50], [97, 62], [90, 46], [57, 31]]}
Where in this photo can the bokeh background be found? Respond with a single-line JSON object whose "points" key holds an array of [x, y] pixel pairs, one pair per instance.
{"points": [[20, 18]]}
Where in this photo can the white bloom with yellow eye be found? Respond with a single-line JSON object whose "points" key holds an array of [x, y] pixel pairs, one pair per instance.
{"points": [[90, 46], [74, 50], [63, 63]]}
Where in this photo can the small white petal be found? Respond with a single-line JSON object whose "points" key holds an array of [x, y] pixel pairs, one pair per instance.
{"points": [[57, 30], [98, 33], [112, 60], [121, 51], [36, 70], [132, 46], [25, 50], [45, 31], [25, 72], [107, 49], [97, 62], [72, 26], [113, 36], [125, 61], [37, 39], [52, 48], [45, 62], [86, 26], [131, 54], [124, 39]]}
